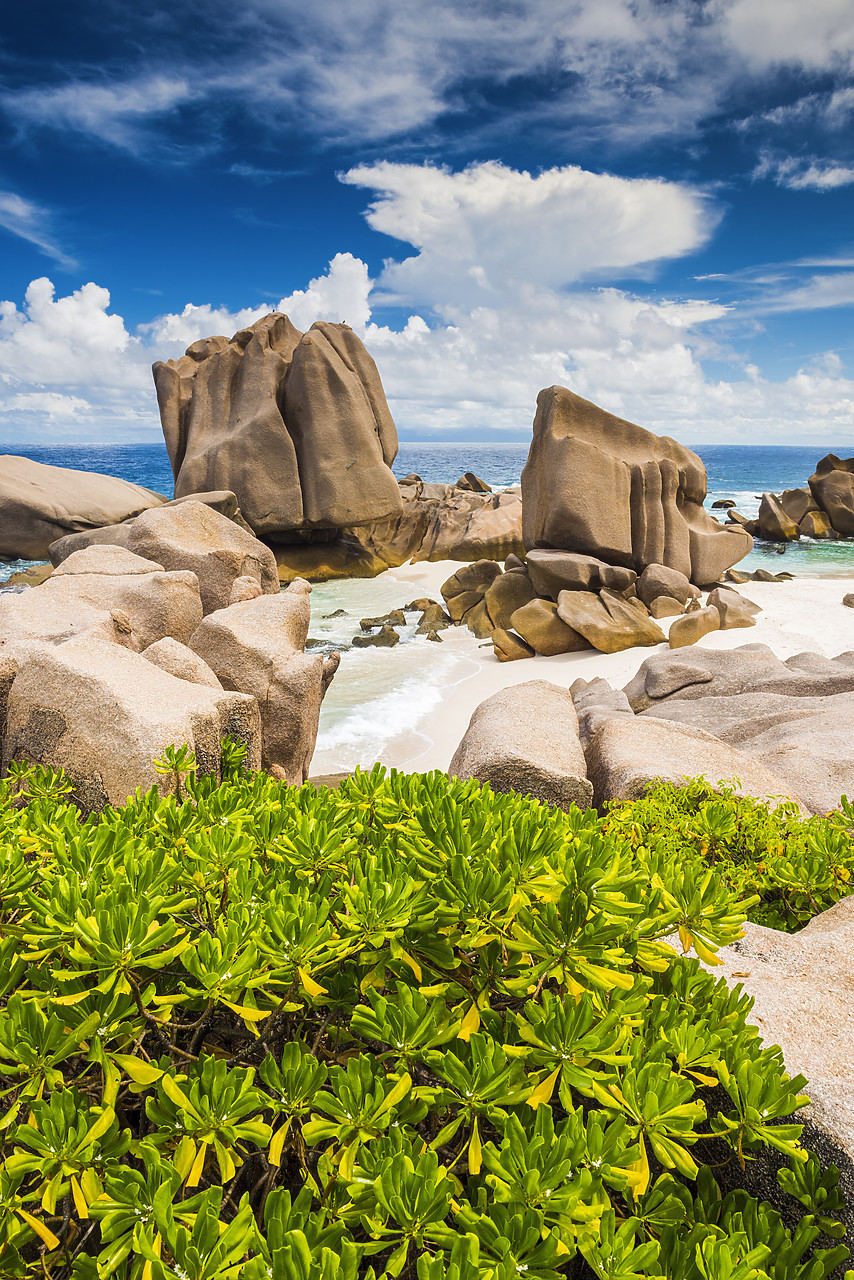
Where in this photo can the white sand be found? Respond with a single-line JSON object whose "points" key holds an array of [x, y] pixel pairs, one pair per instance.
{"points": [[806, 614]]}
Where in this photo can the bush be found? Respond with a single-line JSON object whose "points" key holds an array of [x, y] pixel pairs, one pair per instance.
{"points": [[408, 1028], [794, 866]]}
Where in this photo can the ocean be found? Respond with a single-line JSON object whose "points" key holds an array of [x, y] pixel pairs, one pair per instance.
{"points": [[379, 697]]}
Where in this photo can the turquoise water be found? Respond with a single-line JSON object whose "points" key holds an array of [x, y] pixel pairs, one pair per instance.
{"points": [[740, 472]]}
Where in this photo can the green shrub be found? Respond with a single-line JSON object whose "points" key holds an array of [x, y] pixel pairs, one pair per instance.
{"points": [[409, 1028], [795, 866]]}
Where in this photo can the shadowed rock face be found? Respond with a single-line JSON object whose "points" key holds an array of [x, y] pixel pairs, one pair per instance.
{"points": [[599, 485], [296, 425]]}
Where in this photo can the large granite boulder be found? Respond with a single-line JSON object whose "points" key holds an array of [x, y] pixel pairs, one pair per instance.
{"points": [[555, 571], [155, 603], [295, 424], [599, 485], [525, 739], [774, 523], [256, 647], [179, 660], [832, 486], [608, 621], [193, 536], [40, 503], [104, 715], [626, 754], [539, 625], [464, 594], [117, 535]]}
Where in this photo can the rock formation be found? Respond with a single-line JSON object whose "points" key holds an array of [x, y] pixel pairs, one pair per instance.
{"points": [[824, 510], [296, 425], [39, 504], [604, 487]]}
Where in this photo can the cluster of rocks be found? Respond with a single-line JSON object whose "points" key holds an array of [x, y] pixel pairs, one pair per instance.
{"points": [[823, 509], [564, 602], [180, 636], [383, 633]]}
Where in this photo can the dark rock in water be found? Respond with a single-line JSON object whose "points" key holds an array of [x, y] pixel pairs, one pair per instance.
{"points": [[472, 482], [386, 638], [603, 487], [774, 524], [816, 524], [433, 618], [32, 577], [723, 504], [419, 605], [412, 478], [339, 613], [432, 634], [393, 619]]}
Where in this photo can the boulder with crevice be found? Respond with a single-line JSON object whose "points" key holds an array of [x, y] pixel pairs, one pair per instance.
{"points": [[525, 739], [257, 647], [608, 621], [104, 714], [541, 627], [601, 486], [693, 625]]}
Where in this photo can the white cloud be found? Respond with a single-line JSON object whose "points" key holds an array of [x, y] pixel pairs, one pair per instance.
{"points": [[110, 111], [30, 222], [804, 173], [483, 231], [819, 35]]}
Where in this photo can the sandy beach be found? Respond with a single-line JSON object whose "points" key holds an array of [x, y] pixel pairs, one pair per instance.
{"points": [[805, 614]]}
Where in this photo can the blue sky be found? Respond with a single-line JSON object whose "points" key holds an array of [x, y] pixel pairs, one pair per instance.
{"points": [[649, 201]]}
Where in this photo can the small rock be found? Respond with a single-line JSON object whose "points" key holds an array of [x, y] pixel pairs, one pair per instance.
{"points": [[509, 647], [723, 504], [393, 619], [665, 607], [734, 610], [658, 580], [473, 483], [434, 635], [245, 588], [736, 575], [849, 599], [693, 626], [339, 613], [386, 638]]}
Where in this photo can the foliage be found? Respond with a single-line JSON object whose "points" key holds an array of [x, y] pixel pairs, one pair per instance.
{"points": [[795, 866], [406, 1028]]}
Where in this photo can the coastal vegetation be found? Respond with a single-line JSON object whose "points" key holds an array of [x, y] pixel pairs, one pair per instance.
{"points": [[409, 1027]]}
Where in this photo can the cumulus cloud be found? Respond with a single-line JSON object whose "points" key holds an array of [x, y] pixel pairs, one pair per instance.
{"points": [[484, 230]]}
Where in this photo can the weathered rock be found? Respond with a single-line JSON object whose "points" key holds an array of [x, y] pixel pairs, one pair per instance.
{"points": [[509, 647], [40, 503], [797, 503], [774, 524], [396, 618], [514, 562], [802, 990], [555, 571], [539, 625], [849, 599], [734, 609], [32, 577], [816, 524], [257, 647], [525, 739], [665, 607], [468, 480], [385, 638], [626, 755], [599, 485], [657, 580], [752, 668], [104, 715], [736, 576], [320, 561], [105, 559], [832, 486], [118, 534], [608, 621], [154, 604], [193, 536], [506, 594], [245, 588], [467, 587], [764, 575], [723, 504], [735, 517], [433, 618], [295, 424], [179, 661], [692, 626]]}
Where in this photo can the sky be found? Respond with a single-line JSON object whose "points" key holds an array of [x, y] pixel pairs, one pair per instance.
{"points": [[648, 201]]}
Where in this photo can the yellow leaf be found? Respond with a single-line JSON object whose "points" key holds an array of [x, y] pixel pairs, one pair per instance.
{"points": [[685, 938], [313, 988], [277, 1143], [248, 1014], [470, 1023], [413, 964], [44, 1233], [638, 1173], [348, 1158], [475, 1159], [184, 1156], [91, 1185], [704, 951], [140, 1072], [544, 1090], [79, 1199], [198, 1166]]}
